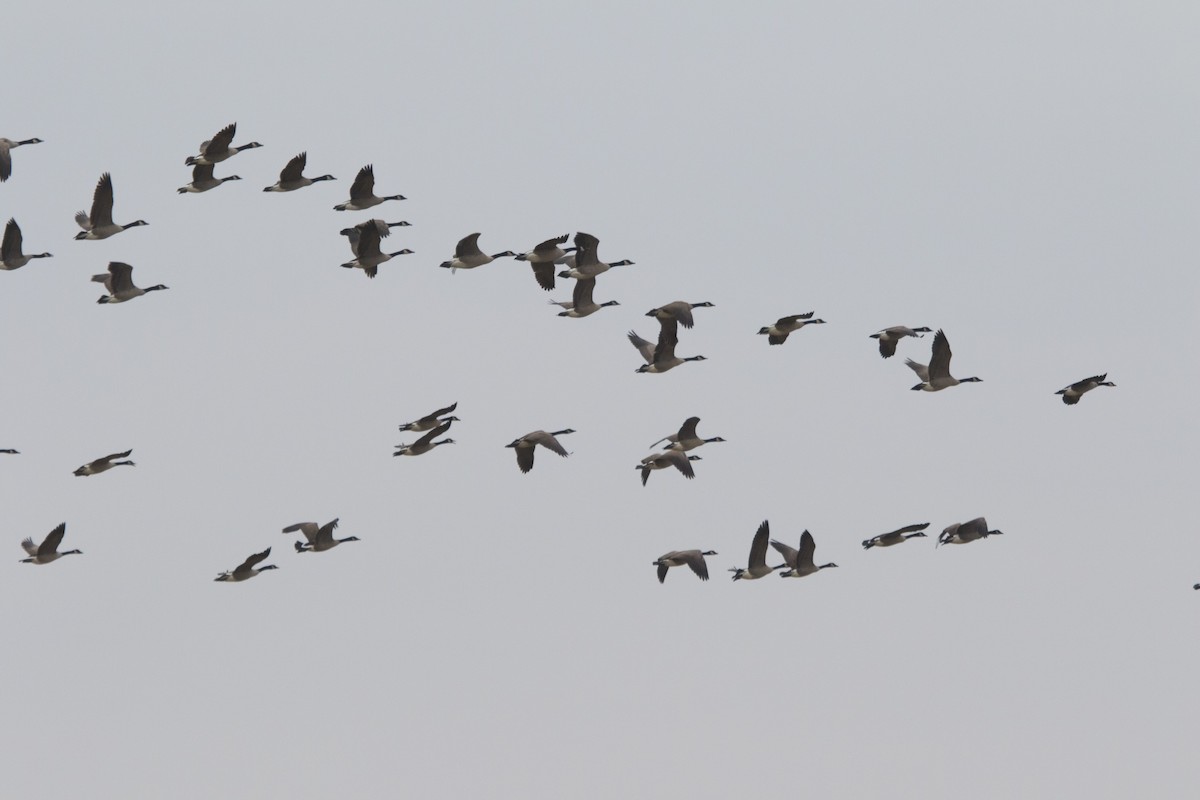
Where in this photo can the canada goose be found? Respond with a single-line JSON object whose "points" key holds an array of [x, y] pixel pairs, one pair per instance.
{"points": [[543, 258], [5, 159], [320, 537], [99, 224], [896, 536], [778, 333], [203, 180], [524, 446], [1070, 395], [425, 443], [354, 233], [680, 311], [581, 303], [119, 283], [668, 458], [964, 532], [368, 256], [662, 357], [362, 192], [587, 262], [757, 568], [936, 376], [890, 337], [217, 149], [10, 451], [686, 438], [11, 256], [291, 176], [431, 420], [47, 551], [677, 558], [467, 255], [104, 464], [246, 569], [800, 561]]}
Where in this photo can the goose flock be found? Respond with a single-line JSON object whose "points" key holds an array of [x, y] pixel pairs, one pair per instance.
{"points": [[581, 263]]}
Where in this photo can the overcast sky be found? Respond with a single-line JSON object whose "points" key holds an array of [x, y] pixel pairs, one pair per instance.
{"points": [[1022, 175]]}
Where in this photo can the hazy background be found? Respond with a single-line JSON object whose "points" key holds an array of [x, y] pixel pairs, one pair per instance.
{"points": [[1023, 175]]}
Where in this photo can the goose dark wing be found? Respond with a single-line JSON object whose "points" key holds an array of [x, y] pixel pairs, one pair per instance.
{"points": [[364, 183], [758, 548], [52, 541], [294, 170], [102, 202]]}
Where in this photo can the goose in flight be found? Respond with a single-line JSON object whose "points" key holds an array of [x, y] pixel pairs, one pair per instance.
{"points": [[362, 192], [686, 438], [581, 303], [367, 255], [248, 568], [47, 551], [426, 442], [890, 337], [118, 281], [525, 445], [757, 568], [6, 146], [964, 532], [291, 177], [680, 311], [543, 258], [467, 255], [936, 376], [99, 223], [217, 149], [11, 255], [661, 357], [104, 464], [895, 537], [320, 537], [778, 333], [668, 458], [1072, 393], [800, 562], [203, 180], [433, 420], [677, 558], [587, 261]]}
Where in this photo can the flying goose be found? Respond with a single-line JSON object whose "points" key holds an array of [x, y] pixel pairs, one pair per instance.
{"points": [[118, 281], [757, 568], [1070, 395], [11, 256], [10, 451], [203, 180], [581, 303], [525, 445], [467, 255], [431, 420], [936, 376], [800, 561], [587, 263], [217, 149], [362, 192], [354, 233], [890, 337], [5, 159], [896, 536], [662, 357], [425, 443], [246, 569], [964, 532], [680, 311], [368, 256], [99, 224], [677, 558], [668, 458], [47, 551], [104, 464], [543, 258], [291, 176], [778, 333], [686, 438], [320, 537]]}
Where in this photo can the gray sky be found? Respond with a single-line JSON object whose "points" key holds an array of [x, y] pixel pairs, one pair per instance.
{"points": [[1022, 175]]}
